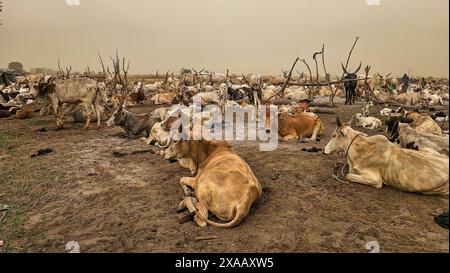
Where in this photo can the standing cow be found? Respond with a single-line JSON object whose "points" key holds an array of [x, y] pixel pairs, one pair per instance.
{"points": [[75, 91], [350, 83]]}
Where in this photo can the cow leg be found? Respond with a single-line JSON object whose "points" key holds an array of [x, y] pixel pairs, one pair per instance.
{"points": [[365, 179], [315, 132], [98, 112], [290, 137], [186, 182], [87, 109], [182, 206], [203, 211], [57, 111]]}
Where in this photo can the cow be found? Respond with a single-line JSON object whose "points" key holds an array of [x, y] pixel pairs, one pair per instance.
{"points": [[293, 127], [375, 161], [362, 121], [81, 91], [133, 124], [158, 136], [164, 98], [296, 94], [386, 112], [350, 83], [223, 185], [410, 138], [424, 123]]}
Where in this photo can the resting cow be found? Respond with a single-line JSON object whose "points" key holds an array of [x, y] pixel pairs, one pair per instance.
{"points": [[224, 185], [133, 124], [292, 127], [410, 138], [424, 124], [375, 161], [362, 121]]}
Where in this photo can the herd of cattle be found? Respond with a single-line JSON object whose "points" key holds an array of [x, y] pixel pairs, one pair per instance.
{"points": [[413, 157]]}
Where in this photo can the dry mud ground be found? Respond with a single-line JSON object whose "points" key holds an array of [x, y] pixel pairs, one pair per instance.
{"points": [[82, 193]]}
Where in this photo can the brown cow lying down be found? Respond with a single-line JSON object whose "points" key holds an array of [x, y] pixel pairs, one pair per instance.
{"points": [[375, 161], [424, 124], [224, 185], [296, 126]]}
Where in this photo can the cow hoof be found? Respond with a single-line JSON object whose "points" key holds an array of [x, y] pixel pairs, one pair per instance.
{"points": [[199, 221], [189, 193], [181, 208]]}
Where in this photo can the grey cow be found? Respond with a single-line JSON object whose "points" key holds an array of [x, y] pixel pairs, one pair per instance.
{"points": [[76, 91], [133, 124]]}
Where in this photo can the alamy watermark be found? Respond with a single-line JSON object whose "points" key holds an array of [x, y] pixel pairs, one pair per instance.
{"points": [[72, 2], [235, 123]]}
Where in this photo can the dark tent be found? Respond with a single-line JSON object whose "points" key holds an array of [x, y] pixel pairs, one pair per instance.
{"points": [[8, 76]]}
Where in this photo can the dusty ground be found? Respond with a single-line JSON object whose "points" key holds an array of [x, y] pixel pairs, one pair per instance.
{"points": [[82, 193]]}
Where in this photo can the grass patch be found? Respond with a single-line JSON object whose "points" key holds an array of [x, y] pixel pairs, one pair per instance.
{"points": [[34, 122], [10, 140]]}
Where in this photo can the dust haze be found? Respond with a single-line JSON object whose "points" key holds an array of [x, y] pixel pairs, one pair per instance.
{"points": [[259, 36]]}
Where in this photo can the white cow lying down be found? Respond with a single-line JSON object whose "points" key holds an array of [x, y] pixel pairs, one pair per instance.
{"points": [[362, 121], [375, 161]]}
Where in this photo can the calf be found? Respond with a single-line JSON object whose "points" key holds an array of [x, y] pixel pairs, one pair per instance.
{"points": [[224, 184], [375, 161], [362, 121]]}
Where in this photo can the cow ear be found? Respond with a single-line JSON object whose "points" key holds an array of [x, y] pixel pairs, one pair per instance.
{"points": [[349, 123], [342, 133], [338, 122]]}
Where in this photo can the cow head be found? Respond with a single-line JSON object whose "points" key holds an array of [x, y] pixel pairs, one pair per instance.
{"points": [[392, 124], [183, 151], [46, 85], [340, 138], [352, 76], [118, 117]]}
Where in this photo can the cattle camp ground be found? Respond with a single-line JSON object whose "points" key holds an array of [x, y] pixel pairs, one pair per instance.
{"points": [[113, 194], [329, 154]]}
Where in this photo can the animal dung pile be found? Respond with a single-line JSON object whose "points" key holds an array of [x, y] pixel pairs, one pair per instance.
{"points": [[311, 150], [42, 152]]}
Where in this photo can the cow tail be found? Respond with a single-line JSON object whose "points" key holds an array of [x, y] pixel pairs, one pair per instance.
{"points": [[238, 215]]}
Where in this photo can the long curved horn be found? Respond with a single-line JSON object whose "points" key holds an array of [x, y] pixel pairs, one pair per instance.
{"points": [[387, 76], [357, 69], [343, 68], [165, 146]]}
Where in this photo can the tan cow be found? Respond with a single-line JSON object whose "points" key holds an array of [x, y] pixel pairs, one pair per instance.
{"points": [[424, 124], [292, 127], [375, 161], [164, 98], [224, 185]]}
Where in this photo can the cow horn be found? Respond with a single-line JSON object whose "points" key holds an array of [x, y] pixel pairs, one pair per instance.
{"points": [[359, 67], [343, 68], [169, 141], [338, 122]]}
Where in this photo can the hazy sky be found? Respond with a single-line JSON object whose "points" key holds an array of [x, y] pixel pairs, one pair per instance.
{"points": [[258, 36]]}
